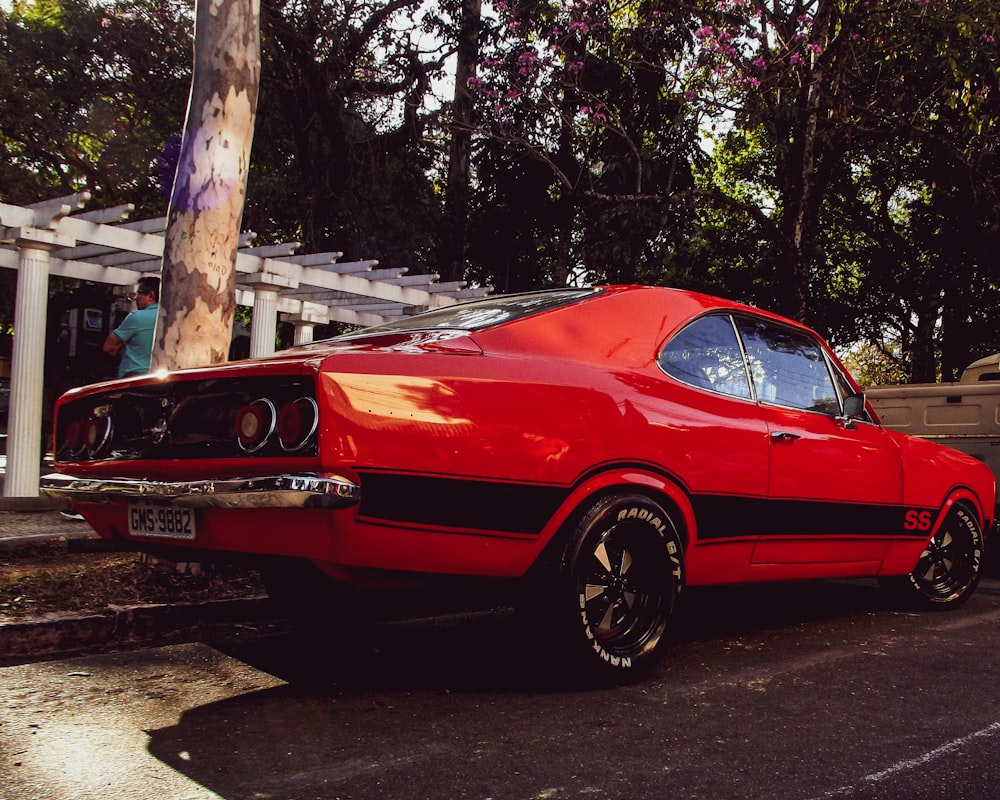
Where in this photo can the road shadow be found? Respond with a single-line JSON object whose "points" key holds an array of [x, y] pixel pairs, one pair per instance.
{"points": [[368, 717], [494, 651], [713, 612]]}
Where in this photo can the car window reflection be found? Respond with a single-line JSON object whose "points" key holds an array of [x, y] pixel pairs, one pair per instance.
{"points": [[788, 367], [707, 354]]}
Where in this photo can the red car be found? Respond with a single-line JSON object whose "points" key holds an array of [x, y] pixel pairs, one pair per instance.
{"points": [[605, 446]]}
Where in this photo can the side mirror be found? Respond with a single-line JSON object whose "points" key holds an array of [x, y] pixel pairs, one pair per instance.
{"points": [[854, 406], [854, 409]]}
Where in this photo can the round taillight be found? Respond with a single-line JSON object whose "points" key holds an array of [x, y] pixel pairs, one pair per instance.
{"points": [[74, 442], [97, 434], [297, 423], [254, 424]]}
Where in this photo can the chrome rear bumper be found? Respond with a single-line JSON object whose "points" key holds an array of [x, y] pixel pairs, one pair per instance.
{"points": [[273, 491]]}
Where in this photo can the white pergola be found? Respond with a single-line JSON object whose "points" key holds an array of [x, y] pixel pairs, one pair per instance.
{"points": [[56, 237]]}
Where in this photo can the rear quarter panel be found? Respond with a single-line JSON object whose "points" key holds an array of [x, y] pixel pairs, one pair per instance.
{"points": [[551, 397], [541, 425]]}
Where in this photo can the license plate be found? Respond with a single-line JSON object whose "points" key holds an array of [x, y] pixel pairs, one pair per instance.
{"points": [[152, 519]]}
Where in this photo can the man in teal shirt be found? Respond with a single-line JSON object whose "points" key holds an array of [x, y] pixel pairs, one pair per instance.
{"points": [[133, 339]]}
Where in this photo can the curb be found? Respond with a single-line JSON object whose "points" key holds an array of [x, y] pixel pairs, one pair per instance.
{"points": [[8, 544], [64, 635], [40, 503]]}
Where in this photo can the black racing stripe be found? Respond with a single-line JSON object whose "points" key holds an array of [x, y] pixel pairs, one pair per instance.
{"points": [[526, 508], [722, 516], [459, 503]]}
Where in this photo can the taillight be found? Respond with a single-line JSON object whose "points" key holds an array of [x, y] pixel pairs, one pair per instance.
{"points": [[297, 423], [74, 443], [255, 423], [97, 434]]}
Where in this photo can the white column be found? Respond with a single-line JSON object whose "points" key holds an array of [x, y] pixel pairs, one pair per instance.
{"points": [[264, 324], [303, 332], [24, 428], [306, 319]]}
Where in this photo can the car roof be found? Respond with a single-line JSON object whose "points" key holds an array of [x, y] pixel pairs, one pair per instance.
{"points": [[497, 310], [624, 325]]}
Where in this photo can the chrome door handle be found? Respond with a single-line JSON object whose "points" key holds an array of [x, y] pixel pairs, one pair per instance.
{"points": [[784, 436]]}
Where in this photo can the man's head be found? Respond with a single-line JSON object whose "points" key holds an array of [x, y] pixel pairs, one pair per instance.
{"points": [[147, 292]]}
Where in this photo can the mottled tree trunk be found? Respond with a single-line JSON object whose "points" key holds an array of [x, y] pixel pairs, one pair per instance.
{"points": [[451, 253], [198, 295], [923, 350], [805, 202]]}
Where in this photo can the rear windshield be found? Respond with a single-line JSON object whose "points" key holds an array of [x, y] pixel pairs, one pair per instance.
{"points": [[480, 314]]}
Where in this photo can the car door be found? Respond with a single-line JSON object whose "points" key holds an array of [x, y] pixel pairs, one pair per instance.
{"points": [[835, 486], [716, 441]]}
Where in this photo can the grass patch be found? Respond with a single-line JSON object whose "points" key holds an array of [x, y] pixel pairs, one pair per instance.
{"points": [[45, 578]]}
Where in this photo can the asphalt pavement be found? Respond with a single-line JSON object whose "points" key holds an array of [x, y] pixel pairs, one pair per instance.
{"points": [[784, 692]]}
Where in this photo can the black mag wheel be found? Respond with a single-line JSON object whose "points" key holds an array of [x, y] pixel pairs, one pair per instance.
{"points": [[947, 572], [624, 568], [948, 569]]}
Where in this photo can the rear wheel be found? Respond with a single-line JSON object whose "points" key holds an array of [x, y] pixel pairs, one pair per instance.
{"points": [[948, 570], [620, 578]]}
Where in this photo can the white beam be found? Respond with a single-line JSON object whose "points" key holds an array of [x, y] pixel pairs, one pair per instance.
{"points": [[154, 225], [120, 258], [15, 216], [273, 250], [349, 317], [96, 273], [48, 212], [313, 259], [116, 236], [108, 215], [413, 280]]}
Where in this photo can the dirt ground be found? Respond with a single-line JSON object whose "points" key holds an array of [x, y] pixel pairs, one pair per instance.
{"points": [[45, 577]]}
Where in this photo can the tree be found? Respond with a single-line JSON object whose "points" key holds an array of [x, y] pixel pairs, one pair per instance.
{"points": [[588, 91], [344, 155], [99, 120], [452, 241], [198, 295], [87, 105], [861, 136]]}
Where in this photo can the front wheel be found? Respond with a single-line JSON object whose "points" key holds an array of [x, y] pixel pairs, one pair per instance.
{"points": [[622, 573], [948, 570]]}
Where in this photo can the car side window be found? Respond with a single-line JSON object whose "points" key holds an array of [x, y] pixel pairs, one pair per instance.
{"points": [[707, 354], [788, 367]]}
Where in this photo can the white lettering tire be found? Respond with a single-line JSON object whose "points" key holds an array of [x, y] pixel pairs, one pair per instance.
{"points": [[623, 571]]}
